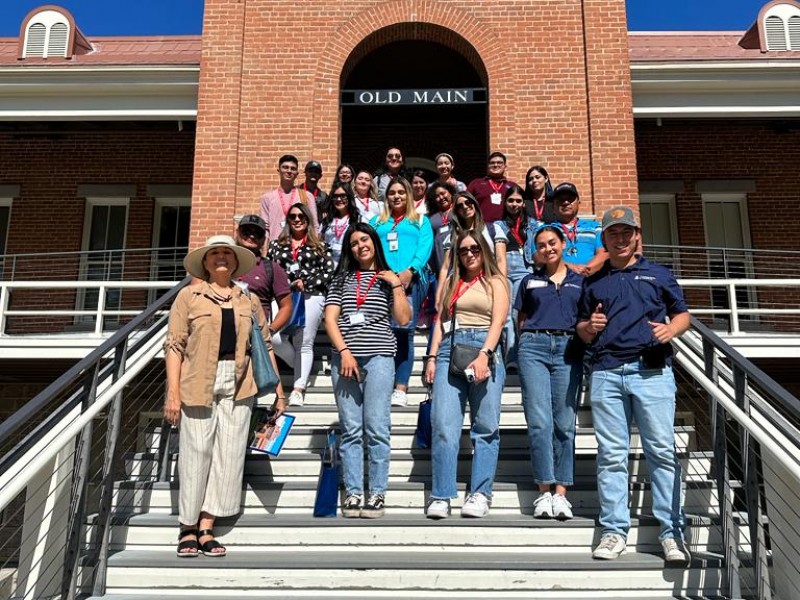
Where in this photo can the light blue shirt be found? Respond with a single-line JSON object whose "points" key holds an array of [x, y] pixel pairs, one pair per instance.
{"points": [[414, 243]]}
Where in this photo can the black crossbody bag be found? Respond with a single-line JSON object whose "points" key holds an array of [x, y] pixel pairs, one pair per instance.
{"points": [[461, 355]]}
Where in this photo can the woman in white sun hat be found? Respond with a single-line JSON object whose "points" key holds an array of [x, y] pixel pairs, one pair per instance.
{"points": [[210, 388]]}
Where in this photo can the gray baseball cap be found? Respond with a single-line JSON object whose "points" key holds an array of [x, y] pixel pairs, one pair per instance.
{"points": [[619, 215]]}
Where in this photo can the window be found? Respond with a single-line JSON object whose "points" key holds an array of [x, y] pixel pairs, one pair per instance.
{"points": [[47, 35], [171, 238], [782, 27], [659, 228]]}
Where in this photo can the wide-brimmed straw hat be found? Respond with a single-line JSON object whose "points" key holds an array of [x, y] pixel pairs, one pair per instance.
{"points": [[193, 263]]}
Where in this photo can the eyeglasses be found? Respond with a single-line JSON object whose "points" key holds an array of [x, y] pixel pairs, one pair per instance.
{"points": [[475, 250], [390, 156], [251, 232], [339, 196], [464, 205], [297, 217]]}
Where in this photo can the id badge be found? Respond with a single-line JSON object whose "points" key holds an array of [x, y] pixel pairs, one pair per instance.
{"points": [[393, 246], [392, 236], [444, 229], [535, 283], [357, 318], [283, 223], [448, 326], [294, 268], [497, 198]]}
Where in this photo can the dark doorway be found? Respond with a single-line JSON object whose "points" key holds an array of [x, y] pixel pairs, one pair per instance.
{"points": [[421, 132]]}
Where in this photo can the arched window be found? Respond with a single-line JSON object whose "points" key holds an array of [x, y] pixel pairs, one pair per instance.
{"points": [[782, 27], [776, 33], [794, 32], [47, 35]]}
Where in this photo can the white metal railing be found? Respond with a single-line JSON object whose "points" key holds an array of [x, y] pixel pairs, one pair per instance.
{"points": [[99, 314]]}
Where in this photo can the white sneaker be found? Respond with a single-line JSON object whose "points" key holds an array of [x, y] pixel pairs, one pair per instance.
{"points": [[675, 551], [399, 398], [543, 506], [438, 509], [476, 505], [610, 547], [296, 398], [562, 509]]}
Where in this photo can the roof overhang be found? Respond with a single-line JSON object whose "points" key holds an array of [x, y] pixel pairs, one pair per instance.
{"points": [[716, 89], [103, 93]]}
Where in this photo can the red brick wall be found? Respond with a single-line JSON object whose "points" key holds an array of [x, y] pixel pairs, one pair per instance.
{"points": [[270, 77]]}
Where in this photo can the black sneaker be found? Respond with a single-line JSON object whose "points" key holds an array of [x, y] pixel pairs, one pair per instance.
{"points": [[352, 506], [374, 507]]}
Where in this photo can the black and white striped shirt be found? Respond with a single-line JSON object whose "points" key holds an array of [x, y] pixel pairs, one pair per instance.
{"points": [[373, 336]]}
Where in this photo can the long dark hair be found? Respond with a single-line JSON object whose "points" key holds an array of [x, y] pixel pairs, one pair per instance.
{"points": [[329, 210], [509, 219], [348, 264], [548, 187], [478, 224], [430, 197], [312, 239]]}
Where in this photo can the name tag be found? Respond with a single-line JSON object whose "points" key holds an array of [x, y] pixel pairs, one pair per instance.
{"points": [[496, 198], [294, 267], [535, 283], [392, 236], [357, 318], [448, 326], [283, 223], [444, 229]]}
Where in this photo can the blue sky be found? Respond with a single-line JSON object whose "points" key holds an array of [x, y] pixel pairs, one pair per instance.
{"points": [[164, 17]]}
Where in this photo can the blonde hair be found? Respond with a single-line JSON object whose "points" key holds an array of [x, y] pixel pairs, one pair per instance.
{"points": [[488, 266], [411, 211]]}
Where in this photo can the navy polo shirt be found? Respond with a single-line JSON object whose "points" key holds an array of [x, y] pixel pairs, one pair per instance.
{"points": [[630, 297], [547, 305]]}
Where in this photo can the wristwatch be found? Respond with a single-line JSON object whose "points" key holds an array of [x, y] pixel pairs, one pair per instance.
{"points": [[413, 271], [487, 352]]}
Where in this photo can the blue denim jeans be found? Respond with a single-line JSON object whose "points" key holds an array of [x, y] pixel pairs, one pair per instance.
{"points": [[449, 400], [517, 270], [404, 359], [646, 396], [551, 382], [365, 408]]}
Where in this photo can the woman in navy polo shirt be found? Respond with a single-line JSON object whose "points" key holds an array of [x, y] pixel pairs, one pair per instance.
{"points": [[550, 361]]}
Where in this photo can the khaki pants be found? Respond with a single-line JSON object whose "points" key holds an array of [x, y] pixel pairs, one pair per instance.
{"points": [[212, 445]]}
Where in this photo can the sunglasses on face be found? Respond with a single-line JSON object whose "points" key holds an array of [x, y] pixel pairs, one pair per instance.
{"points": [[566, 200], [465, 205], [396, 156], [297, 217], [475, 250], [251, 232]]}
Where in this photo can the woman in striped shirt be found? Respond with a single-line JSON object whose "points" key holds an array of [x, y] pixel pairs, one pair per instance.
{"points": [[364, 294]]}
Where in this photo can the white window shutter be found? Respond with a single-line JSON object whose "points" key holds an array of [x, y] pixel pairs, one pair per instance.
{"points": [[34, 40], [794, 32], [57, 41], [776, 33]]}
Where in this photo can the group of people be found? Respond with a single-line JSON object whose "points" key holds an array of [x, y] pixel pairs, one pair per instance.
{"points": [[511, 277]]}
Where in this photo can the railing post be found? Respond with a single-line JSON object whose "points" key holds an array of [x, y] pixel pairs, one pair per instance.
{"points": [[722, 476], [752, 490], [734, 308], [103, 531], [75, 531], [101, 305], [5, 293]]}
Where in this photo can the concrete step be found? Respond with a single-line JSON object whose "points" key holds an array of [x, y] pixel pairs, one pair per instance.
{"points": [[395, 595], [160, 573], [297, 497], [405, 533]]}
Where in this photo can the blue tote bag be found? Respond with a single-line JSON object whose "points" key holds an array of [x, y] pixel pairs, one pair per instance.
{"points": [[298, 320], [327, 501]]}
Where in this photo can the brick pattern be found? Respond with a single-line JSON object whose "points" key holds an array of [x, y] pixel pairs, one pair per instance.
{"points": [[270, 78]]}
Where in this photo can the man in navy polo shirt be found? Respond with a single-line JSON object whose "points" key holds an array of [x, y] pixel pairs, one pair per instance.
{"points": [[623, 315]]}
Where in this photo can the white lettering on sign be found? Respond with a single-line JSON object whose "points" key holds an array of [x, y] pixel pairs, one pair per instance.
{"points": [[444, 96]]}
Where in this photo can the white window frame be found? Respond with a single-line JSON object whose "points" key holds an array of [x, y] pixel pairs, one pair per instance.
{"points": [[161, 203], [784, 12], [9, 202], [48, 18], [669, 200], [91, 202]]}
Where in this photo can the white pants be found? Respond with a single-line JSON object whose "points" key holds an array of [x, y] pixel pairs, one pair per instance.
{"points": [[298, 348], [212, 445]]}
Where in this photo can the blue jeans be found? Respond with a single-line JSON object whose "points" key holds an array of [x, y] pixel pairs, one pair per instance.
{"points": [[450, 396], [647, 396], [551, 383], [404, 359], [517, 270], [365, 408]]}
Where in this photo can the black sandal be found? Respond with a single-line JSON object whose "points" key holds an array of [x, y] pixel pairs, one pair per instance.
{"points": [[190, 544], [208, 548]]}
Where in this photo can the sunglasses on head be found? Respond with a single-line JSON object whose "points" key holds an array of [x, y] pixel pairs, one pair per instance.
{"points": [[296, 217], [475, 250]]}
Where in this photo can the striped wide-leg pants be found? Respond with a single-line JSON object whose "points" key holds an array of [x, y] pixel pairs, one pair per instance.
{"points": [[212, 445]]}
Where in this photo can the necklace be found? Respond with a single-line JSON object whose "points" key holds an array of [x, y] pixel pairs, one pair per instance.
{"points": [[219, 298]]}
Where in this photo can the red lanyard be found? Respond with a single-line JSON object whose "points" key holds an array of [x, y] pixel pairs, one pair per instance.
{"points": [[571, 235], [418, 203], [538, 208], [339, 232], [296, 249], [460, 293], [397, 221], [497, 187], [315, 193], [282, 198], [445, 218], [515, 231], [359, 298], [365, 202]]}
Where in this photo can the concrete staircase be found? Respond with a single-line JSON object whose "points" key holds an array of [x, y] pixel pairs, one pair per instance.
{"points": [[277, 549]]}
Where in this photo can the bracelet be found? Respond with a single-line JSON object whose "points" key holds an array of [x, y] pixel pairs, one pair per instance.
{"points": [[430, 356], [345, 349], [399, 285]]}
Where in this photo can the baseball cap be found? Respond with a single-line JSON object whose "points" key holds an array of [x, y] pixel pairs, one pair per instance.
{"points": [[254, 220], [619, 215], [565, 188], [314, 165]]}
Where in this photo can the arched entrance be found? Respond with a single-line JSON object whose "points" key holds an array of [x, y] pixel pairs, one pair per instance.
{"points": [[421, 88]]}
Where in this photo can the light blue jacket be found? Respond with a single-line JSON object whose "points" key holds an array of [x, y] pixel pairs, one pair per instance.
{"points": [[414, 244]]}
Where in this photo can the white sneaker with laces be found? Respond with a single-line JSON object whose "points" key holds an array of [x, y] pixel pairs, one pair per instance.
{"points": [[399, 398], [562, 509], [476, 505], [610, 547], [438, 509], [296, 398], [675, 551], [543, 506]]}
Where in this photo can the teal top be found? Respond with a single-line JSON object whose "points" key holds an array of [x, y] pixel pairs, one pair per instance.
{"points": [[414, 243]]}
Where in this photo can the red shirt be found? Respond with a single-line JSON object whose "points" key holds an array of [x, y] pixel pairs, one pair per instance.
{"points": [[483, 188], [266, 284]]}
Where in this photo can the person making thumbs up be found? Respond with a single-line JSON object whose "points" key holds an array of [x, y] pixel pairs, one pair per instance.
{"points": [[629, 312]]}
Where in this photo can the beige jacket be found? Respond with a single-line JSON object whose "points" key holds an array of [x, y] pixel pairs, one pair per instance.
{"points": [[195, 321]]}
